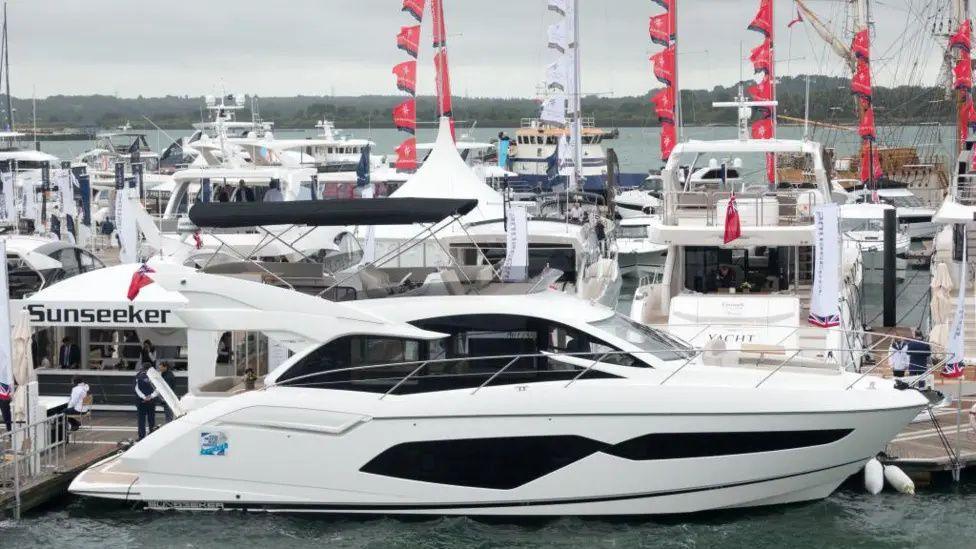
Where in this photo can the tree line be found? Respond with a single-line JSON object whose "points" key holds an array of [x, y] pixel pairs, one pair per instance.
{"points": [[829, 101]]}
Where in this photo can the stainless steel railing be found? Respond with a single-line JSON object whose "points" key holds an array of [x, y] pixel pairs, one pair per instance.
{"points": [[464, 373], [787, 208], [30, 452]]}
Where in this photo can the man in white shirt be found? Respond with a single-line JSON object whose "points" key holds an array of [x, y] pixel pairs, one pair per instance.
{"points": [[274, 192], [76, 404]]}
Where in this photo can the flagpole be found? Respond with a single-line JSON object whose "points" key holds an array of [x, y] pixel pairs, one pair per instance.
{"points": [[577, 102]]}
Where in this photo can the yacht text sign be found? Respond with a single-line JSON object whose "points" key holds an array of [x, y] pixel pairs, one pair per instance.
{"points": [[127, 315]]}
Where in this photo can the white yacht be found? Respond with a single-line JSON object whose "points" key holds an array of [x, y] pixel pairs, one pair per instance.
{"points": [[537, 404], [862, 225], [588, 267], [124, 146], [752, 295], [637, 254], [914, 216]]}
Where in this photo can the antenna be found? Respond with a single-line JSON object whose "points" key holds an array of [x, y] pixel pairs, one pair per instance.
{"points": [[806, 110], [745, 111]]}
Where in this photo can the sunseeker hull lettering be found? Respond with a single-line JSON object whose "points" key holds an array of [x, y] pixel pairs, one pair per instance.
{"points": [[41, 314]]}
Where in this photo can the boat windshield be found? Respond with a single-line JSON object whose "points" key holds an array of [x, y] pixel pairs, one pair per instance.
{"points": [[654, 342], [861, 224], [905, 201], [633, 231]]}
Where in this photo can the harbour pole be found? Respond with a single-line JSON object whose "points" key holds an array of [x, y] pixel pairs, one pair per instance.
{"points": [[890, 226], [577, 103]]}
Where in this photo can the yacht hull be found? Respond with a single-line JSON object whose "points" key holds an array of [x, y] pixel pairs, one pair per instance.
{"points": [[286, 468]]}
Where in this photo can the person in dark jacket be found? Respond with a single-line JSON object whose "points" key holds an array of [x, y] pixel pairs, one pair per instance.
{"points": [[146, 395], [244, 193], [169, 377], [69, 355]]}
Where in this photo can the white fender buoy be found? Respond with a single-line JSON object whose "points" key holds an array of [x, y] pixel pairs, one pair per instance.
{"points": [[898, 479], [873, 476]]}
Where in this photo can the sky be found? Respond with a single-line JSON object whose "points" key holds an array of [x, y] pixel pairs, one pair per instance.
{"points": [[347, 47]]}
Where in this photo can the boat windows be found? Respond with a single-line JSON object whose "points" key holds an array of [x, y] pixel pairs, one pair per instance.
{"points": [[653, 342], [852, 224], [477, 347], [760, 269], [632, 231], [905, 201], [22, 278], [541, 256]]}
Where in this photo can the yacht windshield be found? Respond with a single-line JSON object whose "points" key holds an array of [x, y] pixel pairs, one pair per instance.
{"points": [[906, 201], [634, 231], [654, 342], [853, 224]]}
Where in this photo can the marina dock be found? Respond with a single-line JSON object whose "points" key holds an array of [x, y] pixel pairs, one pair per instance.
{"points": [[87, 446]]}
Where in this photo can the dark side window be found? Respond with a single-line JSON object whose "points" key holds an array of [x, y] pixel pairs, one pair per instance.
{"points": [[477, 348]]}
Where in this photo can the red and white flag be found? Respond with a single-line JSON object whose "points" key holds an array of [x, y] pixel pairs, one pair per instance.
{"points": [[140, 279], [406, 76], [733, 228], [408, 40]]}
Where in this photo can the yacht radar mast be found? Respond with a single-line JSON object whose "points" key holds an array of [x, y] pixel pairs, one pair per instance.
{"points": [[745, 111]]}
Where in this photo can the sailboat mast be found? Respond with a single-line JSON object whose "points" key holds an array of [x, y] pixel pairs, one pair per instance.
{"points": [[961, 15], [577, 176], [6, 65]]}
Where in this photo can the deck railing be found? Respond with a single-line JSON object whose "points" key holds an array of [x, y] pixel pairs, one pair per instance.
{"points": [[756, 209], [29, 452], [474, 373]]}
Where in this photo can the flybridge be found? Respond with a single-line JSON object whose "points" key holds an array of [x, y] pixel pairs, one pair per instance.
{"points": [[41, 314]]}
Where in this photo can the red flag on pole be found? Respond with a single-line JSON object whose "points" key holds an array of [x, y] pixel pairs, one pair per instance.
{"points": [[408, 40], [407, 155], [762, 90], [866, 129], [664, 65], [669, 136], [140, 279], [861, 45], [963, 37], [437, 19], [869, 161], [963, 73], [197, 241], [664, 105], [762, 128], [763, 22], [733, 228], [661, 29], [405, 116], [861, 81], [414, 8], [406, 76], [762, 57]]}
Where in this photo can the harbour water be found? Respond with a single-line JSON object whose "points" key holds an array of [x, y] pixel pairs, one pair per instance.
{"points": [[939, 516]]}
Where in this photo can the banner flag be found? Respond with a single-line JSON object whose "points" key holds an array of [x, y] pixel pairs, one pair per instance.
{"points": [[825, 302]]}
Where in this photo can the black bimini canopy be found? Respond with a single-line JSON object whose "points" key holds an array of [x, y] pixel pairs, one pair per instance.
{"points": [[325, 213]]}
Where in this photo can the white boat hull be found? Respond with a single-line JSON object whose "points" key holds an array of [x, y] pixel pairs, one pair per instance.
{"points": [[316, 462]]}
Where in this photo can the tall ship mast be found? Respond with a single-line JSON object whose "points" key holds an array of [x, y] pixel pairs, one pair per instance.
{"points": [[883, 162]]}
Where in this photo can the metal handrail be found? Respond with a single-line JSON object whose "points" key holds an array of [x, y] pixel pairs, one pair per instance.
{"points": [[600, 356], [38, 459]]}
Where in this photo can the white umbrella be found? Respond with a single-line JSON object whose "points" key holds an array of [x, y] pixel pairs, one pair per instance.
{"points": [[942, 304], [23, 363]]}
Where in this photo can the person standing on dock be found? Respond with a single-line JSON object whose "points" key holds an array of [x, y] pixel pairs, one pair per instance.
{"points": [[918, 357], [898, 357], [146, 395]]}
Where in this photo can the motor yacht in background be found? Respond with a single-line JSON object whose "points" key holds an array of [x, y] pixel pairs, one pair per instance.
{"points": [[754, 292], [862, 225], [126, 146], [538, 404], [637, 254], [555, 241], [914, 217]]}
